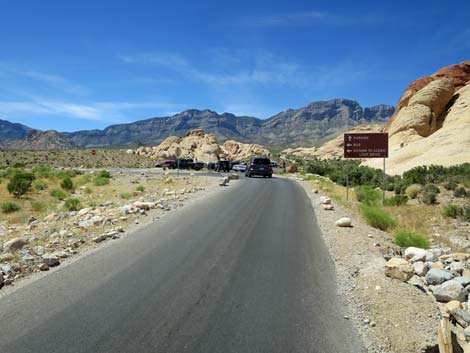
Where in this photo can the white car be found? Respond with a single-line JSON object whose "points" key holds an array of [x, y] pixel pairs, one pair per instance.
{"points": [[240, 167]]}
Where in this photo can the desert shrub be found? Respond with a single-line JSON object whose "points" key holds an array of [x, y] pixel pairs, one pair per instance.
{"points": [[42, 172], [399, 187], [396, 200], [104, 174], [125, 195], [67, 184], [40, 185], [407, 239], [92, 203], [451, 185], [100, 181], [72, 204], [465, 213], [9, 207], [428, 197], [460, 192], [88, 190], [58, 194], [377, 217], [20, 183], [368, 195], [67, 173], [413, 190], [431, 188], [140, 188], [38, 206], [451, 211]]}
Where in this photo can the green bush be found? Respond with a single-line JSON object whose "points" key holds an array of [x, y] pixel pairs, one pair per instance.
{"points": [[88, 190], [465, 213], [67, 184], [9, 207], [431, 188], [58, 194], [38, 206], [125, 195], [140, 188], [451, 185], [407, 239], [428, 197], [377, 217], [460, 192], [451, 211], [40, 185], [368, 195], [42, 172], [104, 174], [413, 190], [20, 183], [72, 204], [100, 181], [396, 200]]}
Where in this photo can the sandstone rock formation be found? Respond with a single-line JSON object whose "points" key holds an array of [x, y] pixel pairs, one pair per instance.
{"points": [[201, 147], [431, 123]]}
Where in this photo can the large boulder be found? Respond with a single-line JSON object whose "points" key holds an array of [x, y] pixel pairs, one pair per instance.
{"points": [[399, 268], [431, 126], [14, 244], [436, 276], [450, 290]]}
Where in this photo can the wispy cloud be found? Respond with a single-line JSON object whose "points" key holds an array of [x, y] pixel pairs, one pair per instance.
{"points": [[95, 111], [225, 67], [293, 18], [311, 17], [52, 80]]}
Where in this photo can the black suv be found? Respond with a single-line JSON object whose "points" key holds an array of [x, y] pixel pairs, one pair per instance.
{"points": [[259, 166]]}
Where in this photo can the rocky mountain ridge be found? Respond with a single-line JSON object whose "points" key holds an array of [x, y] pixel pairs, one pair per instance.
{"points": [[310, 125]]}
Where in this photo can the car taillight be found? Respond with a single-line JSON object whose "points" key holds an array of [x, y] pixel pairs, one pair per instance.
{"points": [[252, 165]]}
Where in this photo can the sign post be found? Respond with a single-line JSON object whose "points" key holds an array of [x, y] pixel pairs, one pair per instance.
{"points": [[366, 145]]}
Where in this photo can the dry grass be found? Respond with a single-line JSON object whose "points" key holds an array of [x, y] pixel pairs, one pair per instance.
{"points": [[79, 158], [414, 217]]}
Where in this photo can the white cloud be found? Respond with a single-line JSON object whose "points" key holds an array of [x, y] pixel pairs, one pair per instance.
{"points": [[240, 67], [96, 111]]}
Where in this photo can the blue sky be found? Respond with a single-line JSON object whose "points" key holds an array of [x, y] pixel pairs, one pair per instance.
{"points": [[70, 65]]}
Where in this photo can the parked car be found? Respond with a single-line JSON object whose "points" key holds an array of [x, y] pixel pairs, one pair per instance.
{"points": [[223, 166], [171, 164], [259, 166], [198, 165], [274, 164], [211, 166], [240, 167]]}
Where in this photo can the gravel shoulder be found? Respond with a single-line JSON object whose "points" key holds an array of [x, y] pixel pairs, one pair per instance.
{"points": [[128, 225], [391, 316]]}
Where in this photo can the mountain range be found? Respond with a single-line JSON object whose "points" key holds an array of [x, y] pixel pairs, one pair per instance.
{"points": [[310, 125]]}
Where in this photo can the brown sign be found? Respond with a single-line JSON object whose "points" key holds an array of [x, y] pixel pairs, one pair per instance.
{"points": [[366, 145]]}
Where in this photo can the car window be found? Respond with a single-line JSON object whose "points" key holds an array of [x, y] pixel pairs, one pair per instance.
{"points": [[261, 161]]}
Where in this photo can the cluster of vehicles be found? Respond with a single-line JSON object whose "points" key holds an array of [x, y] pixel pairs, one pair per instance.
{"points": [[260, 166]]}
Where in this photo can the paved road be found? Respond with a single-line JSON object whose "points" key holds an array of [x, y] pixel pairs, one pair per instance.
{"points": [[246, 271]]}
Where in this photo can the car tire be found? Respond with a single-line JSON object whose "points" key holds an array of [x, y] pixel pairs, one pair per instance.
{"points": [[270, 176]]}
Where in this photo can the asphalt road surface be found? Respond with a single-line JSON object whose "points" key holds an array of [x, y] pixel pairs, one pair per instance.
{"points": [[243, 271]]}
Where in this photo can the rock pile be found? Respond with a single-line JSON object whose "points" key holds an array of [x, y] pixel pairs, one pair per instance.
{"points": [[202, 147], [443, 275]]}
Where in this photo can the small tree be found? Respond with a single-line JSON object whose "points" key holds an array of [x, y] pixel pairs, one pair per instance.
{"points": [[67, 184], [20, 183]]}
